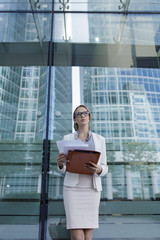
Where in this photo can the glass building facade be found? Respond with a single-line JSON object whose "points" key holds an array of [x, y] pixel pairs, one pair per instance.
{"points": [[55, 55]]}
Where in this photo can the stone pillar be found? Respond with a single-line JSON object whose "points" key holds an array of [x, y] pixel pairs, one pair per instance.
{"points": [[57, 186], [109, 186], [154, 183], [39, 184], [129, 185], [2, 186]]}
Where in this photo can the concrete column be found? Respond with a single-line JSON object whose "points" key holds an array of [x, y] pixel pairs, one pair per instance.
{"points": [[39, 184], [154, 183], [2, 186], [109, 186], [129, 185], [57, 186]]}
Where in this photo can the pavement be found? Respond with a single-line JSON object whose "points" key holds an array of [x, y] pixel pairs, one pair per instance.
{"points": [[115, 227]]}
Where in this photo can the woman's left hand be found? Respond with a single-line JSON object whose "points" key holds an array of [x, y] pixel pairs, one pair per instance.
{"points": [[93, 168]]}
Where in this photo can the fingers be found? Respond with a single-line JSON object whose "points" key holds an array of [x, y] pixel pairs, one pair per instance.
{"points": [[92, 167], [92, 164], [61, 155], [61, 159]]}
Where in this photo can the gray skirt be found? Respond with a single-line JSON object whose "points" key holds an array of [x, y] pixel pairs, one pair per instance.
{"points": [[82, 204]]}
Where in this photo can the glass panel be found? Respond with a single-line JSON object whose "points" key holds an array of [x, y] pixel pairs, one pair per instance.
{"points": [[107, 5], [24, 27], [117, 59], [22, 119], [24, 39], [61, 124], [117, 76], [22, 111], [107, 28], [25, 5], [127, 118], [60, 102]]}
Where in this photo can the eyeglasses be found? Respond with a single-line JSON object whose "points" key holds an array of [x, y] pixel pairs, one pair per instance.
{"points": [[79, 114]]}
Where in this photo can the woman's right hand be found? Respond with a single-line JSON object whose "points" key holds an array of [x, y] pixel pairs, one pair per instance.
{"points": [[61, 159]]}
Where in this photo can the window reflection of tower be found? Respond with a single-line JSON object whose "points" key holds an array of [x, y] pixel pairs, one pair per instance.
{"points": [[125, 105]]}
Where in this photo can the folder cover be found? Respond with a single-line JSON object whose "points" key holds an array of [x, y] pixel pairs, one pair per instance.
{"points": [[78, 159]]}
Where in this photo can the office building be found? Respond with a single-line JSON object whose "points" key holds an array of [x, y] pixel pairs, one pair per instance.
{"points": [[115, 46]]}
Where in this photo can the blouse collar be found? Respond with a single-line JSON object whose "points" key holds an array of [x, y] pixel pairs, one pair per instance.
{"points": [[86, 140]]}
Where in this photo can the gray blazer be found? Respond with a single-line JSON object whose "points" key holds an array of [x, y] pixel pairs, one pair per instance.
{"points": [[71, 179]]}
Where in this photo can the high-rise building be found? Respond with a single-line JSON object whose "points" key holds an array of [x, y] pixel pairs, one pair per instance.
{"points": [[10, 78], [125, 101], [115, 46], [25, 87], [125, 104]]}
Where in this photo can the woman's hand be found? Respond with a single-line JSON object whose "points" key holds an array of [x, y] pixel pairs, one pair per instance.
{"points": [[61, 159], [93, 168]]}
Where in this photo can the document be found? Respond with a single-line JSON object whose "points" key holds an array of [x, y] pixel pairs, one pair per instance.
{"points": [[65, 145]]}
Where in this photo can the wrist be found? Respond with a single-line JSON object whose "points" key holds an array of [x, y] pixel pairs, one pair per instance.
{"points": [[99, 170]]}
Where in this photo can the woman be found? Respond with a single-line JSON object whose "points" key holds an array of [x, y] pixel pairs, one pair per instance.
{"points": [[81, 191]]}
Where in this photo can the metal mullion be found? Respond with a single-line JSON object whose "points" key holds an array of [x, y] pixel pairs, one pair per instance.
{"points": [[82, 12], [46, 148]]}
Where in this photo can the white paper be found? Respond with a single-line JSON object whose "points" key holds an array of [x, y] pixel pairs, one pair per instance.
{"points": [[65, 145]]}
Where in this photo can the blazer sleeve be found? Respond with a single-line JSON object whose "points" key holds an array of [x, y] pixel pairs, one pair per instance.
{"points": [[103, 161], [62, 170]]}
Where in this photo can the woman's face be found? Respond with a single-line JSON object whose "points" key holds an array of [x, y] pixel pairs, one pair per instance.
{"points": [[81, 117]]}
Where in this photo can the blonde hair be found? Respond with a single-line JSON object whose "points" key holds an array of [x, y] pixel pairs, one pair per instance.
{"points": [[90, 117]]}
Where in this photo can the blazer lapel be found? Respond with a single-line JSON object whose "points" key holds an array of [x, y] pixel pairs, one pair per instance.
{"points": [[96, 142]]}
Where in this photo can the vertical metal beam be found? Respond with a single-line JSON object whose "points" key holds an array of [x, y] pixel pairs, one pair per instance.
{"points": [[125, 6], [46, 148], [37, 26]]}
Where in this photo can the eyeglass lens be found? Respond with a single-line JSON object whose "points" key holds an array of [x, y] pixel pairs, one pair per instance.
{"points": [[79, 114]]}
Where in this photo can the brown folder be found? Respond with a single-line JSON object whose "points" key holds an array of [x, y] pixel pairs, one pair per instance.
{"points": [[79, 158]]}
